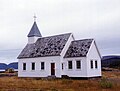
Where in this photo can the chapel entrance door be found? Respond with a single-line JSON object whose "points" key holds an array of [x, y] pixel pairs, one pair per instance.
{"points": [[52, 68]]}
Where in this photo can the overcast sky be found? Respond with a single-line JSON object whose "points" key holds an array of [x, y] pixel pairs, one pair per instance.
{"points": [[99, 19]]}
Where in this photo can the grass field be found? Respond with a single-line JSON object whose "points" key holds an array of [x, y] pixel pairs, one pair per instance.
{"points": [[14, 83]]}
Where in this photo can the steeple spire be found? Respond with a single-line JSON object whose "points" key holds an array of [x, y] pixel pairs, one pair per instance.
{"points": [[34, 32], [34, 18]]}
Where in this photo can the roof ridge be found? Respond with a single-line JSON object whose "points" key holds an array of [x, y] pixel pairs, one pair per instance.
{"points": [[83, 39], [54, 35]]}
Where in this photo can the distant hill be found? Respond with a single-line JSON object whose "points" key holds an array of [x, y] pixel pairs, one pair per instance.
{"points": [[111, 61], [13, 65], [4, 66]]}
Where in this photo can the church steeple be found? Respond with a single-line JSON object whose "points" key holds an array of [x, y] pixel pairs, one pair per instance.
{"points": [[34, 33], [34, 30]]}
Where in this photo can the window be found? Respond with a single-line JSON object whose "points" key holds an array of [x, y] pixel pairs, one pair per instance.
{"points": [[96, 66], [62, 66], [78, 64], [91, 62], [24, 66], [69, 64], [33, 66], [42, 65]]}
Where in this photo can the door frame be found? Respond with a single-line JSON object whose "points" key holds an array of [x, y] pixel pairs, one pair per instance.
{"points": [[52, 70]]}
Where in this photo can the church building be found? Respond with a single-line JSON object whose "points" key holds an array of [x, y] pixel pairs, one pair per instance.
{"points": [[58, 55]]}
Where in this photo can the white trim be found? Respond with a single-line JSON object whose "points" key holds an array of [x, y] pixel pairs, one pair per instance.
{"points": [[93, 42], [97, 49], [90, 48], [70, 39]]}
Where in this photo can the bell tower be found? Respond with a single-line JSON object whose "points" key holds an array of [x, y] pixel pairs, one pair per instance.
{"points": [[34, 33]]}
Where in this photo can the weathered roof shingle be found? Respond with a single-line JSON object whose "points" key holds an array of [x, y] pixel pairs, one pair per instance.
{"points": [[45, 46], [78, 48]]}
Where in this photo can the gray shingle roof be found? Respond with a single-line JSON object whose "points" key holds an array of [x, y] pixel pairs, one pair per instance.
{"points": [[78, 48], [34, 31], [45, 46]]}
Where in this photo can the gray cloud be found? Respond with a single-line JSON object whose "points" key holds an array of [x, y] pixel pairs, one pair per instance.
{"points": [[99, 19]]}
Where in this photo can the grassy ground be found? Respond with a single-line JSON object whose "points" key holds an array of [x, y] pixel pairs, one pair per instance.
{"points": [[14, 83]]}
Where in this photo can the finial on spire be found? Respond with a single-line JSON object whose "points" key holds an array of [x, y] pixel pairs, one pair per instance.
{"points": [[34, 18]]}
